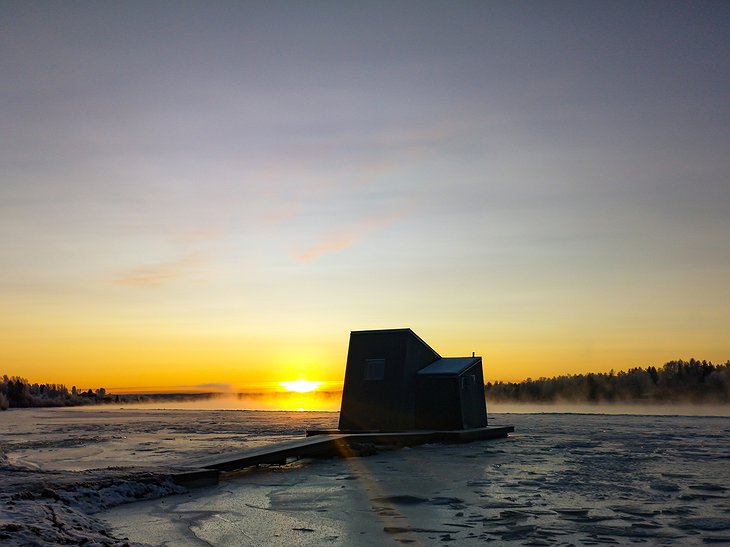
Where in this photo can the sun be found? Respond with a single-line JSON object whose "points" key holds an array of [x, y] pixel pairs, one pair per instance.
{"points": [[300, 386]]}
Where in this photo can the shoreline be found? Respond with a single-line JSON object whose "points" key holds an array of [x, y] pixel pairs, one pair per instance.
{"points": [[612, 408]]}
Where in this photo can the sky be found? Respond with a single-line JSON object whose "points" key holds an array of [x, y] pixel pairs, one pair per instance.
{"points": [[215, 194]]}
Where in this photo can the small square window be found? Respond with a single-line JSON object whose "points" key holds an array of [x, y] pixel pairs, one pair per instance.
{"points": [[375, 369]]}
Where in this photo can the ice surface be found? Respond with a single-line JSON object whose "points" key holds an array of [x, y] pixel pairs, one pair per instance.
{"points": [[59, 466], [559, 479]]}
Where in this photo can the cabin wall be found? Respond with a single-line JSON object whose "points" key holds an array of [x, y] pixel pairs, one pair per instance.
{"points": [[379, 390], [418, 356], [438, 404], [473, 401]]}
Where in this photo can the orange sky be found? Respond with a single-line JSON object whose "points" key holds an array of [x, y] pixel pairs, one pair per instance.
{"points": [[158, 356]]}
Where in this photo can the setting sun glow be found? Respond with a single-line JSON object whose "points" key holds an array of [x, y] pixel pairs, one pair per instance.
{"points": [[300, 386]]}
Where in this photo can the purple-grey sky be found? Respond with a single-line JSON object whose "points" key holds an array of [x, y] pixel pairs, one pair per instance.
{"points": [[546, 181]]}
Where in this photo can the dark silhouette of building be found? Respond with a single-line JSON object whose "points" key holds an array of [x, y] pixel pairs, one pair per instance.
{"points": [[394, 381]]}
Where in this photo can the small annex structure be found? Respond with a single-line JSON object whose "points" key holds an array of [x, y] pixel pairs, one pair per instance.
{"points": [[394, 381]]}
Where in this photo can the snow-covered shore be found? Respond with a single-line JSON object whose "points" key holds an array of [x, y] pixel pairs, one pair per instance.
{"points": [[56, 507], [60, 467]]}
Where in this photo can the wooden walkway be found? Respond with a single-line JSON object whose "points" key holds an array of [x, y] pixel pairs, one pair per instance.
{"points": [[322, 443]]}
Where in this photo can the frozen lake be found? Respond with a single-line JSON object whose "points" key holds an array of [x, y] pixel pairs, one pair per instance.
{"points": [[559, 479]]}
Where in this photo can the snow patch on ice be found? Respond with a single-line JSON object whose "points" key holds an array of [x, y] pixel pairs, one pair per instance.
{"points": [[56, 508]]}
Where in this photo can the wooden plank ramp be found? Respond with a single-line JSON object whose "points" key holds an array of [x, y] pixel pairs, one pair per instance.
{"points": [[318, 444]]}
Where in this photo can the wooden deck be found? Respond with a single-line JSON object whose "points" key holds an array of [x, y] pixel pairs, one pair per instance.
{"points": [[322, 443]]}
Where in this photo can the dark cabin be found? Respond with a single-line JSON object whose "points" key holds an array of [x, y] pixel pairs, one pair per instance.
{"points": [[394, 381]]}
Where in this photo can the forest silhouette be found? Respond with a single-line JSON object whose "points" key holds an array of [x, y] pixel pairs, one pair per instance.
{"points": [[17, 392], [690, 381]]}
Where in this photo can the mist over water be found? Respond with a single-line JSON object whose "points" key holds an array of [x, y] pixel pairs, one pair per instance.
{"points": [[681, 409], [271, 401], [329, 401]]}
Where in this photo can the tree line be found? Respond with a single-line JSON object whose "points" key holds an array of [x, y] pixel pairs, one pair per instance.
{"points": [[690, 381], [17, 392]]}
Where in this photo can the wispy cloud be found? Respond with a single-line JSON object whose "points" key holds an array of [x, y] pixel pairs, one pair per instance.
{"points": [[282, 214], [157, 275], [348, 236], [198, 235]]}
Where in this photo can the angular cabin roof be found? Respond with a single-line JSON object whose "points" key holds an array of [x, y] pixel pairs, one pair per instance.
{"points": [[448, 366], [405, 331]]}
